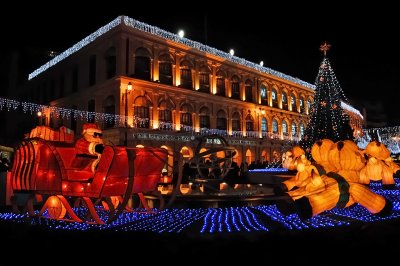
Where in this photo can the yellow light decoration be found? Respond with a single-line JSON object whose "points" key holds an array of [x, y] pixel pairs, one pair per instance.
{"points": [[377, 150], [371, 171], [320, 151], [55, 208], [316, 194], [344, 157]]}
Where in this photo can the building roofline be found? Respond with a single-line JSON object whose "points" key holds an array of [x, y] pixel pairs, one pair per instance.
{"points": [[350, 108], [135, 24]]}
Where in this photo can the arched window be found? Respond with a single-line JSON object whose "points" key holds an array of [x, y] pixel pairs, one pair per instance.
{"points": [[142, 112], [204, 79], [248, 88], [275, 127], [186, 117], [235, 87], [186, 75], [165, 108], [111, 62], [204, 118], [220, 83], [249, 122], [142, 63], [309, 105], [221, 120], [91, 111], [284, 128], [274, 96], [109, 110], [301, 130], [236, 123], [264, 125], [293, 102], [263, 95], [302, 105], [294, 129], [284, 101], [165, 69]]}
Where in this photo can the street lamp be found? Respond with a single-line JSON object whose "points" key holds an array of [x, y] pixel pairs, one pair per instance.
{"points": [[39, 115], [127, 91]]}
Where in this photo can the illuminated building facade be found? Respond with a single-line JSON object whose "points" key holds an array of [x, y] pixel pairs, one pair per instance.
{"points": [[179, 89]]}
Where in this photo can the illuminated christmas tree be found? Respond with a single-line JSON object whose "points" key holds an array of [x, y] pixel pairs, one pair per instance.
{"points": [[327, 117]]}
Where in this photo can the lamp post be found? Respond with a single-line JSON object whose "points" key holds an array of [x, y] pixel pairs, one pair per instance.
{"points": [[127, 91], [39, 115]]}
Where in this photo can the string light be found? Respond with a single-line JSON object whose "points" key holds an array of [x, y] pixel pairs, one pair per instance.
{"points": [[61, 112], [166, 35]]}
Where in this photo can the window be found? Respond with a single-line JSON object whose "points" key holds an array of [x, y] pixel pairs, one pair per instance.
{"points": [[248, 90], [165, 115], [301, 130], [236, 122], [142, 64], [274, 126], [221, 86], [204, 79], [284, 128], [293, 103], [274, 96], [221, 120], [263, 95], [221, 123], [302, 107], [249, 123], [284, 101], [143, 116], [235, 86], [111, 62], [204, 118], [186, 117], [165, 70], [204, 121], [109, 108], [294, 129], [186, 78], [264, 125]]}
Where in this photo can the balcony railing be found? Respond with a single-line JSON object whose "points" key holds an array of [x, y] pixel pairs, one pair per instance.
{"points": [[171, 127]]}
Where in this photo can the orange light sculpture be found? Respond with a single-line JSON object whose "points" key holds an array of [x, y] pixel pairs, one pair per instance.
{"points": [[46, 168], [321, 190]]}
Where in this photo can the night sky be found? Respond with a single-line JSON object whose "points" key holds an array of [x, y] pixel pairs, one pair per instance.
{"points": [[364, 52]]}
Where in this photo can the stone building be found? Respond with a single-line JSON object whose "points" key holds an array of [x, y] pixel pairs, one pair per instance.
{"points": [[146, 86]]}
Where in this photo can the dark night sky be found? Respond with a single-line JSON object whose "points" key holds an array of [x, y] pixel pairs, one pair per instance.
{"points": [[364, 51]]}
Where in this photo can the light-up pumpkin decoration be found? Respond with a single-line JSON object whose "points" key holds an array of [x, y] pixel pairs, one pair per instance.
{"points": [[344, 156], [290, 157], [320, 151], [377, 149], [303, 173], [380, 166], [319, 193]]}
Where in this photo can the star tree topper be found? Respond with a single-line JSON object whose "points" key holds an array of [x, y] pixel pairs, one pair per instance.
{"points": [[324, 48]]}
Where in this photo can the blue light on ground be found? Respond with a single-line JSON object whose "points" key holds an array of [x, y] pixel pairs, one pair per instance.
{"points": [[263, 218]]}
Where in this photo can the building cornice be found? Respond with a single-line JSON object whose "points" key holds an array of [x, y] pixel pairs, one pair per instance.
{"points": [[144, 27]]}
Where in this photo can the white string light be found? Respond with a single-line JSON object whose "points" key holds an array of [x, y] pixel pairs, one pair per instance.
{"points": [[169, 36]]}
